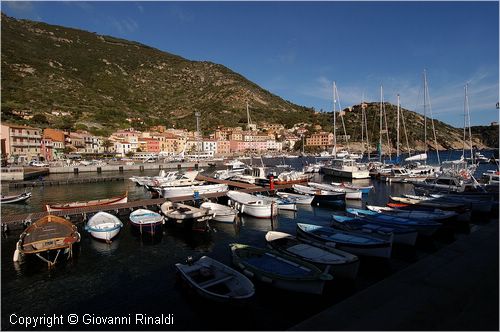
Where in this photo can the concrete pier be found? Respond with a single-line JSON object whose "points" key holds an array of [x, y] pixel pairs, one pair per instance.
{"points": [[455, 288]]}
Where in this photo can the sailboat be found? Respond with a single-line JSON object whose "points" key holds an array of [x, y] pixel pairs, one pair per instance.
{"points": [[341, 166]]}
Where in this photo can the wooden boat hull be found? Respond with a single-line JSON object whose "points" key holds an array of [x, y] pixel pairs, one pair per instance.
{"points": [[75, 205], [380, 248], [222, 213], [220, 282], [21, 198], [258, 207], [401, 235], [266, 269], [344, 265], [104, 226]]}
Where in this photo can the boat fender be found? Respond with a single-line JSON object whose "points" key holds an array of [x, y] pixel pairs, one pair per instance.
{"points": [[26, 222], [17, 254], [248, 273], [266, 279]]}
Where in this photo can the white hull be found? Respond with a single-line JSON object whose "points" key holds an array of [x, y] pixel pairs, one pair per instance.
{"points": [[297, 198], [106, 236], [222, 213], [252, 205], [346, 174], [189, 191]]}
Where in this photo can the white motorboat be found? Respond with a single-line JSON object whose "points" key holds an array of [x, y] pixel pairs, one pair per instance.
{"points": [[180, 180], [349, 193], [435, 214], [234, 167], [283, 203], [104, 226], [222, 213], [252, 205], [170, 192], [346, 168]]}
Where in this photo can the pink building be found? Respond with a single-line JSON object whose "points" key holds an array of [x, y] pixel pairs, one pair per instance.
{"points": [[47, 149]]}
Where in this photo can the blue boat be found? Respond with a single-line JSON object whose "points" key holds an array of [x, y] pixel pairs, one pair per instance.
{"points": [[423, 227], [403, 235], [147, 221], [359, 244]]}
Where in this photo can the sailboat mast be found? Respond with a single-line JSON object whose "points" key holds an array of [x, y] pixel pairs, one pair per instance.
{"points": [[397, 131], [468, 121], [366, 130], [380, 129], [248, 117], [465, 119], [425, 115], [334, 124], [362, 129]]}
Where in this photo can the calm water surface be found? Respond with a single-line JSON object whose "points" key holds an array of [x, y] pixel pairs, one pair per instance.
{"points": [[134, 275]]}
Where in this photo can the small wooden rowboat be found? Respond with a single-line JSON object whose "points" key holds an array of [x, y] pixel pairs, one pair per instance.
{"points": [[341, 263], [21, 198], [47, 234], [146, 221], [104, 226], [98, 202], [281, 271], [216, 281], [222, 213]]}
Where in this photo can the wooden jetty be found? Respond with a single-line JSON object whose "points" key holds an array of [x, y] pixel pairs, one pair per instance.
{"points": [[42, 183], [19, 221]]}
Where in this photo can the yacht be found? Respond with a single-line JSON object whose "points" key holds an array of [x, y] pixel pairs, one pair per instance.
{"points": [[346, 168], [234, 167]]}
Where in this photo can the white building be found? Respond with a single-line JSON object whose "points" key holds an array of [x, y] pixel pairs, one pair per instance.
{"points": [[274, 146], [210, 145]]}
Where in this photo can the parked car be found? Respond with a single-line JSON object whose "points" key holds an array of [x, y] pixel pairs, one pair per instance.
{"points": [[38, 164]]}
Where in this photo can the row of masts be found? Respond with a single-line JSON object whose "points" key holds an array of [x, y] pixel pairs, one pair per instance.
{"points": [[399, 120]]}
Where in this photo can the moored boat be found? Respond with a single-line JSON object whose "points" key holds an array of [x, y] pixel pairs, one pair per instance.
{"points": [[363, 189], [222, 213], [104, 226], [296, 198], [423, 227], [21, 198], [216, 281], [358, 244], [320, 196], [252, 205], [402, 235], [435, 214], [98, 202], [349, 193], [47, 234], [341, 263], [170, 192], [146, 221], [187, 215], [278, 270]]}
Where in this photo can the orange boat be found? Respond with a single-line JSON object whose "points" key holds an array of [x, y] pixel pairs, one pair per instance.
{"points": [[98, 202], [49, 233]]}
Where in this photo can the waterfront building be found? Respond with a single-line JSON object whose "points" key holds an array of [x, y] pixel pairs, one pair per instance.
{"points": [[289, 141], [209, 145], [273, 145], [22, 142], [223, 148], [47, 149], [322, 139], [58, 138], [149, 145]]}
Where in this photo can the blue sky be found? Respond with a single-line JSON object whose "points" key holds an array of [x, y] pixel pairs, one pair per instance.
{"points": [[297, 49]]}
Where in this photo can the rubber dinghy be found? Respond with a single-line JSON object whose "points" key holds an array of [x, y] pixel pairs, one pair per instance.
{"points": [[358, 244], [281, 271], [341, 263], [216, 281]]}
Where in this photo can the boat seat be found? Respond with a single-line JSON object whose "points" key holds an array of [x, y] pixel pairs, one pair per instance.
{"points": [[213, 282]]}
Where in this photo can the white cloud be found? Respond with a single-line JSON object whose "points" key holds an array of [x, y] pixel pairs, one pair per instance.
{"points": [[124, 26]]}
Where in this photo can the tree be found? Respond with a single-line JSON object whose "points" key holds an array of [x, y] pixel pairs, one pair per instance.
{"points": [[106, 144], [130, 154]]}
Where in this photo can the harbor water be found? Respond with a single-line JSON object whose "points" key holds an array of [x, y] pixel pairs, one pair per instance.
{"points": [[136, 276]]}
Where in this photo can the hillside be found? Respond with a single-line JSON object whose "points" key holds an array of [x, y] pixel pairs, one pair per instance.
{"points": [[488, 135], [96, 80], [59, 77]]}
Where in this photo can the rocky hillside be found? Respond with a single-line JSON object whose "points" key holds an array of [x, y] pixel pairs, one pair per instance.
{"points": [[60, 75]]}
